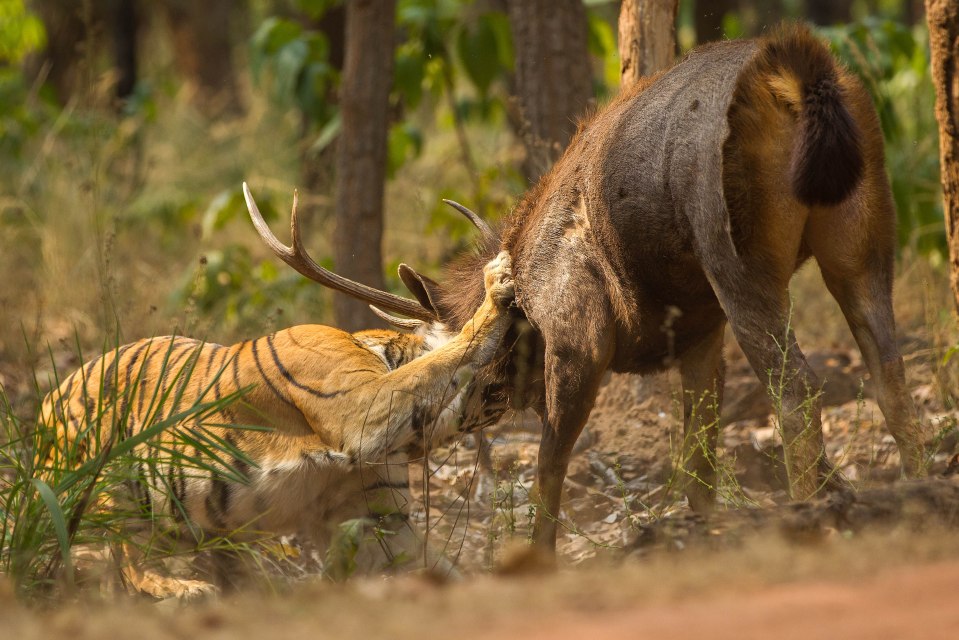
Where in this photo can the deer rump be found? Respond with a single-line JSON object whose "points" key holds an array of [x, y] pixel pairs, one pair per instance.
{"points": [[687, 202]]}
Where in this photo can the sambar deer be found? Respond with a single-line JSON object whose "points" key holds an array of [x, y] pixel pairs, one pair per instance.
{"points": [[686, 203]]}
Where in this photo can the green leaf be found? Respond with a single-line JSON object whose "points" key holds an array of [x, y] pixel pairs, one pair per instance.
{"points": [[341, 554], [225, 206], [601, 39], [316, 8], [950, 352], [328, 133], [272, 35], [59, 524], [408, 73], [288, 65], [477, 49], [405, 143]]}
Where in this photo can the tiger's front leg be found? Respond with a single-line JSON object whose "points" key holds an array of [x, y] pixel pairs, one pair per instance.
{"points": [[418, 403]]}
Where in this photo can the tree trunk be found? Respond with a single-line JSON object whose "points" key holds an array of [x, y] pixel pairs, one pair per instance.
{"points": [[709, 18], [203, 51], [361, 152], [318, 168], [647, 38], [77, 32], [124, 27], [829, 12], [914, 11], [553, 79], [67, 41], [943, 18]]}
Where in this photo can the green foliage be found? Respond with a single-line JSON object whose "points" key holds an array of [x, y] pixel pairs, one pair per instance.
{"points": [[341, 555], [425, 61], [21, 32], [602, 44], [297, 63], [316, 8], [19, 121], [405, 143], [893, 62], [238, 291], [485, 50]]}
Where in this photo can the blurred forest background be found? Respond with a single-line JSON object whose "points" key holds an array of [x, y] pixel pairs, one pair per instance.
{"points": [[128, 126]]}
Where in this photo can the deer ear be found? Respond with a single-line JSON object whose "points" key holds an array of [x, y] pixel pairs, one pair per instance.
{"points": [[424, 289]]}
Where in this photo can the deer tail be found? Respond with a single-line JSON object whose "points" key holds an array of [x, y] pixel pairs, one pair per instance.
{"points": [[827, 162]]}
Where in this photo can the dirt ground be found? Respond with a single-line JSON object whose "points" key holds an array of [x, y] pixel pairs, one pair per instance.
{"points": [[873, 587], [633, 561]]}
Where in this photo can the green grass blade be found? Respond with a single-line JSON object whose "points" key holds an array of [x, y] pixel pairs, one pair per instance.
{"points": [[59, 524]]}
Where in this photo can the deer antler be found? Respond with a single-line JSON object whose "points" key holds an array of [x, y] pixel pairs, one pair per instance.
{"points": [[478, 222], [297, 257]]}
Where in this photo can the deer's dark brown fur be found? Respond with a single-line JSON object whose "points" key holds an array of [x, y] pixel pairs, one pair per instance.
{"points": [[687, 203]]}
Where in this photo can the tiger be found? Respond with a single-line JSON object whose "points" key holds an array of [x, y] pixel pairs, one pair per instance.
{"points": [[343, 412]]}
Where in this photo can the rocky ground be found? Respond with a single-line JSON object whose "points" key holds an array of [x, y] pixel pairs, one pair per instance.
{"points": [[622, 475]]}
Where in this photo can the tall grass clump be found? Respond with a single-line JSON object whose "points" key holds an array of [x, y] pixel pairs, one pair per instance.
{"points": [[109, 483]]}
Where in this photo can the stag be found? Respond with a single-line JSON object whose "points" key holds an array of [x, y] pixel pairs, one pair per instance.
{"points": [[685, 204]]}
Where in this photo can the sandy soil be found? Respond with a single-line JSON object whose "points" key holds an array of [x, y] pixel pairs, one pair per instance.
{"points": [[880, 586]]}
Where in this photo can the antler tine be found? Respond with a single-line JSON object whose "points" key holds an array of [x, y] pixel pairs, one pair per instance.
{"points": [[295, 236], [477, 221], [297, 257], [280, 249], [402, 323]]}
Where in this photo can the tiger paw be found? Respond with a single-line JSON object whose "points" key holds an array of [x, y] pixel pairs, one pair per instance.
{"points": [[498, 278], [166, 587]]}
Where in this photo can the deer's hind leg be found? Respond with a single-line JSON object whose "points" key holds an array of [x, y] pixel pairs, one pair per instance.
{"points": [[703, 372], [855, 251]]}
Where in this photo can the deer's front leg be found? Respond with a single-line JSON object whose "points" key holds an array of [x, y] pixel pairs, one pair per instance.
{"points": [[576, 359]]}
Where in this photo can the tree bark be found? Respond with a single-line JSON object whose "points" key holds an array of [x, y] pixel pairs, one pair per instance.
{"points": [[553, 78], [66, 26], [203, 51], [709, 18], [943, 19], [361, 152], [647, 38], [77, 31], [829, 12], [124, 26]]}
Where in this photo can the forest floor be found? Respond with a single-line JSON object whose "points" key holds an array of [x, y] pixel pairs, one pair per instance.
{"points": [[634, 562]]}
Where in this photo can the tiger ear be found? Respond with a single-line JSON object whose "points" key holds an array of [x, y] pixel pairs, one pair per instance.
{"points": [[424, 289]]}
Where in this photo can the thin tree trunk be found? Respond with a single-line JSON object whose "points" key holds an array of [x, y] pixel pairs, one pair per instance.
{"points": [[914, 11], [709, 18], [124, 26], [361, 152], [829, 12], [647, 38], [553, 78], [203, 51], [943, 18], [66, 24], [318, 168]]}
